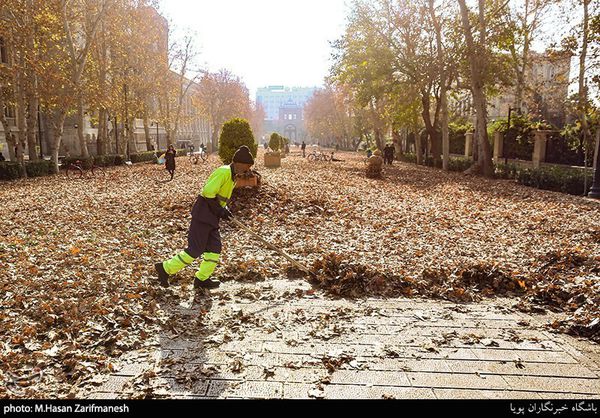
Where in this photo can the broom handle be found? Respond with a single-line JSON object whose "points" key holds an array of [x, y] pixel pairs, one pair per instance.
{"points": [[268, 244]]}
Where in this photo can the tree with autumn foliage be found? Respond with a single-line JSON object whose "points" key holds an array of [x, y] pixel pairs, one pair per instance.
{"points": [[222, 96]]}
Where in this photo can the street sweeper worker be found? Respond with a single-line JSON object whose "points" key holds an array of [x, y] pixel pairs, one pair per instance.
{"points": [[204, 239]]}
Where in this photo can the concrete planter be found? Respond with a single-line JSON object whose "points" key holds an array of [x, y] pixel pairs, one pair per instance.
{"points": [[273, 160]]}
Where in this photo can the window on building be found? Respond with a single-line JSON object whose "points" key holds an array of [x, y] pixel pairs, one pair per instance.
{"points": [[295, 117]]}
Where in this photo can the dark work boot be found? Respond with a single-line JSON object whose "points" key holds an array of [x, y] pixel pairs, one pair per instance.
{"points": [[206, 284], [163, 277]]}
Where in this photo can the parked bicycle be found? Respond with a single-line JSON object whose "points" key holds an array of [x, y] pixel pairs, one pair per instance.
{"points": [[195, 157], [76, 170], [318, 156]]}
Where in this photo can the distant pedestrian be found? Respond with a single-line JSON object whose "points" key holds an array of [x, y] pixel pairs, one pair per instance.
{"points": [[170, 160], [303, 149], [388, 154]]}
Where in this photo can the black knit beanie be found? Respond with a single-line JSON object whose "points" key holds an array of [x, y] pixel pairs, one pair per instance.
{"points": [[243, 155]]}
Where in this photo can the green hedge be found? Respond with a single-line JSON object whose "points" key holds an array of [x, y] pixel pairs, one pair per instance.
{"points": [[558, 179], [109, 160], [86, 162], [120, 159], [506, 171], [412, 158], [459, 163], [38, 168], [141, 157], [9, 170]]}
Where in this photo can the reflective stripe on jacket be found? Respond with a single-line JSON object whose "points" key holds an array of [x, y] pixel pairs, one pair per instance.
{"points": [[220, 185]]}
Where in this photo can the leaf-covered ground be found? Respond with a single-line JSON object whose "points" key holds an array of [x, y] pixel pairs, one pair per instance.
{"points": [[77, 289]]}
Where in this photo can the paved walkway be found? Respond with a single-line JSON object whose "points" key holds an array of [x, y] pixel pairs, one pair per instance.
{"points": [[306, 345]]}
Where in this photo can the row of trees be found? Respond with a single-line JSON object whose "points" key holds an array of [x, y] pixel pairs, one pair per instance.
{"points": [[111, 61], [400, 62]]}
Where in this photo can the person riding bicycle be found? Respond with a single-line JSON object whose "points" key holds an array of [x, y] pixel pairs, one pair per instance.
{"points": [[204, 238]]}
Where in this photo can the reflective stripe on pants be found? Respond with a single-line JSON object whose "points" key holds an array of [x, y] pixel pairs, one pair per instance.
{"points": [[177, 263], [208, 265]]}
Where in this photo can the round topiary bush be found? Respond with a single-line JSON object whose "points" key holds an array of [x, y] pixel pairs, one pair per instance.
{"points": [[275, 142], [235, 133]]}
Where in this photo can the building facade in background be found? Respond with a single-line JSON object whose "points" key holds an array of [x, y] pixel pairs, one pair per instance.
{"points": [[547, 89], [284, 110]]}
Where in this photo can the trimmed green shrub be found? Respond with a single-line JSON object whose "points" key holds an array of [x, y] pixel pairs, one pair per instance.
{"points": [[408, 158], [235, 133], [105, 160], [276, 142], [506, 171], [142, 157], [9, 170], [459, 163], [38, 168], [120, 159], [557, 179]]}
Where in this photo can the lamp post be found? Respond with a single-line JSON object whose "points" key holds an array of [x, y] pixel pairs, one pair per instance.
{"points": [[157, 137], [595, 190], [40, 132], [116, 136], [126, 126]]}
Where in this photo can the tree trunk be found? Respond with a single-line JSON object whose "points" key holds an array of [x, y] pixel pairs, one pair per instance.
{"points": [[80, 121], [582, 94], [419, 148], [379, 139], [215, 139], [397, 140], [443, 87], [6, 127], [58, 124], [478, 67], [132, 140], [432, 131], [21, 127], [32, 127], [102, 132], [149, 145]]}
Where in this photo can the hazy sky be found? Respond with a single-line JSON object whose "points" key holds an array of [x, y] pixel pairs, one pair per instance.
{"points": [[265, 42]]}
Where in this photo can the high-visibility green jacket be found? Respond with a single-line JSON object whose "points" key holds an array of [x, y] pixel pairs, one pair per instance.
{"points": [[220, 185], [214, 196]]}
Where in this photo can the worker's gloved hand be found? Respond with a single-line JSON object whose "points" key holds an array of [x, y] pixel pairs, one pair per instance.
{"points": [[225, 214]]}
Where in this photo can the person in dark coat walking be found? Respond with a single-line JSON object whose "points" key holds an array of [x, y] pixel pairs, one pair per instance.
{"points": [[388, 154], [204, 239], [170, 160]]}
